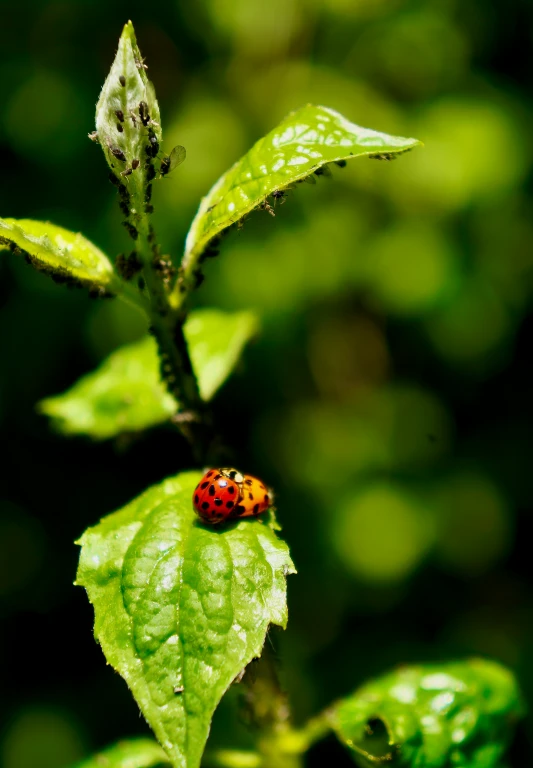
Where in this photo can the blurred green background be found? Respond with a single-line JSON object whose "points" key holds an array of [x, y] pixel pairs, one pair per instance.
{"points": [[388, 398]]}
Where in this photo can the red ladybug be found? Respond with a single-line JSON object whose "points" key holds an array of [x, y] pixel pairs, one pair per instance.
{"points": [[218, 494], [225, 494]]}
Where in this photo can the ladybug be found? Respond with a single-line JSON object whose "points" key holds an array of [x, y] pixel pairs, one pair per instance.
{"points": [[255, 498], [227, 494], [218, 494]]}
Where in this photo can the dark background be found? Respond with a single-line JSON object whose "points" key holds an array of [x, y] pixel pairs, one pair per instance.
{"points": [[388, 398]]}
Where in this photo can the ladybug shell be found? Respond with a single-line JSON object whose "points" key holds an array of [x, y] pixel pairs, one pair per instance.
{"points": [[256, 498], [216, 495]]}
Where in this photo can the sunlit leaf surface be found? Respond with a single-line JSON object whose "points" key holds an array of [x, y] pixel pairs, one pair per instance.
{"points": [[305, 142], [181, 608], [66, 256]]}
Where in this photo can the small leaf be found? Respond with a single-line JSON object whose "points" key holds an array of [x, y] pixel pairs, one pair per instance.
{"points": [[181, 609], [127, 114], [216, 340], [134, 753], [67, 257], [300, 146], [432, 716], [125, 394]]}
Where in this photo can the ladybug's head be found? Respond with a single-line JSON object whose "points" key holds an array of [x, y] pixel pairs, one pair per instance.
{"points": [[232, 474]]}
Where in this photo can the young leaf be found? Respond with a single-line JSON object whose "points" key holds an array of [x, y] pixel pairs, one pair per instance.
{"points": [[67, 257], [181, 608], [125, 394], [216, 340], [134, 753], [431, 716], [127, 115], [305, 142]]}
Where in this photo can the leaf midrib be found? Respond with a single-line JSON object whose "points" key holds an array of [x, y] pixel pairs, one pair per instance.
{"points": [[178, 606]]}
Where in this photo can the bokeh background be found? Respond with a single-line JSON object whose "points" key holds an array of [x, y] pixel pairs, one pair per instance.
{"points": [[388, 399]]}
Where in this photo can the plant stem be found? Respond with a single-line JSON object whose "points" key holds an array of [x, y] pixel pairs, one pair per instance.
{"points": [[167, 327], [166, 324]]}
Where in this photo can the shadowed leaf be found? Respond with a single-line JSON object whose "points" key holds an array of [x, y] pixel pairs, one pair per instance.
{"points": [[125, 394], [134, 753], [432, 716]]}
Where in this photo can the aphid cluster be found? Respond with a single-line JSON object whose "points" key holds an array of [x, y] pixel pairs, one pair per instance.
{"points": [[128, 266], [383, 156], [163, 265], [227, 494], [58, 274]]}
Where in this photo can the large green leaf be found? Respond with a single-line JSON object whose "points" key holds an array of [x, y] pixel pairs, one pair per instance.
{"points": [[134, 753], [298, 147], [181, 608], [432, 716], [67, 257], [125, 394]]}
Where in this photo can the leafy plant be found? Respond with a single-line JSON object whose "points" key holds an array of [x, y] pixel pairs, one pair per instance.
{"points": [[182, 608]]}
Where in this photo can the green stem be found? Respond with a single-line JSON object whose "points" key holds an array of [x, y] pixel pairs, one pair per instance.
{"points": [[167, 327], [314, 730], [166, 321], [231, 758]]}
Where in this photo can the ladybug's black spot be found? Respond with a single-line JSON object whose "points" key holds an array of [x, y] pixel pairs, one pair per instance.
{"points": [[210, 473], [230, 504], [196, 498], [211, 490], [267, 498], [218, 502], [204, 485], [231, 490], [218, 477], [240, 510], [205, 505], [248, 482], [256, 509], [262, 486], [250, 496]]}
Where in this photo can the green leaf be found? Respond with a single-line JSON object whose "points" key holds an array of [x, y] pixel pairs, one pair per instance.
{"points": [[216, 340], [127, 114], [134, 753], [305, 142], [180, 608], [432, 716], [67, 257], [126, 394]]}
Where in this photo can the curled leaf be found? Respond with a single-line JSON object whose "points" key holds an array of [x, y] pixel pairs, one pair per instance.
{"points": [[432, 716], [127, 116]]}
